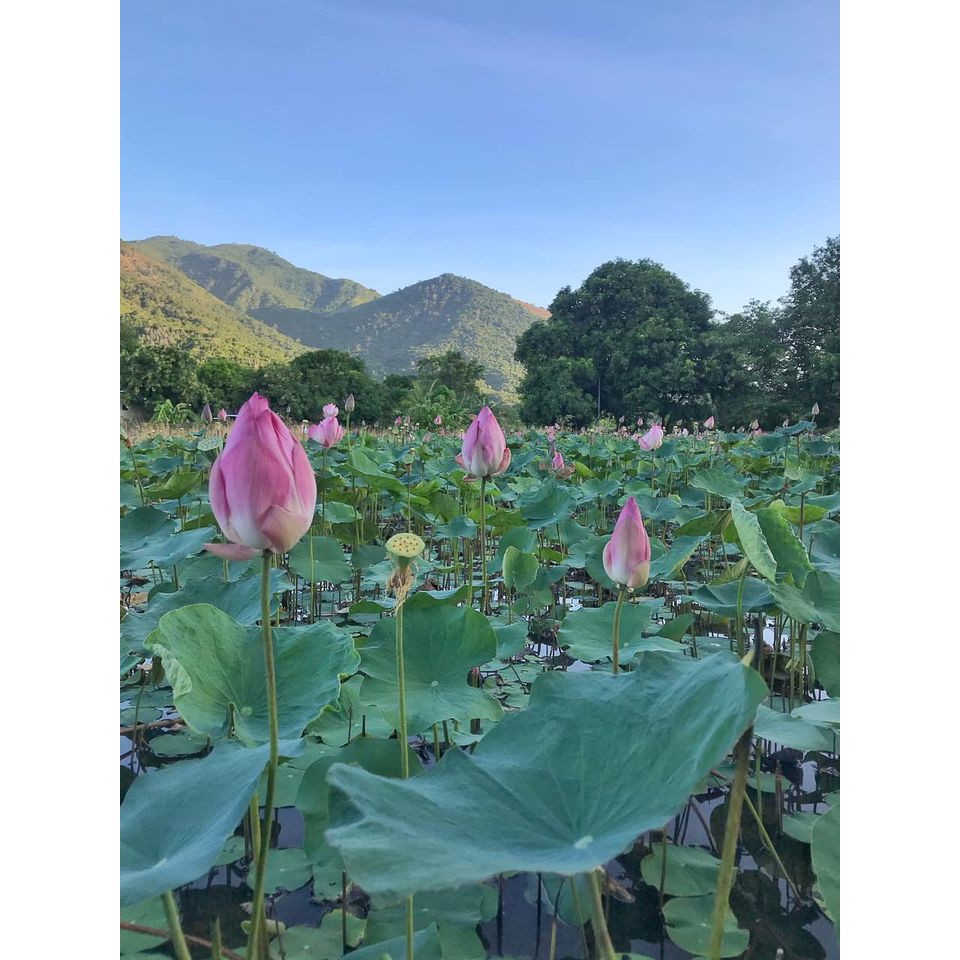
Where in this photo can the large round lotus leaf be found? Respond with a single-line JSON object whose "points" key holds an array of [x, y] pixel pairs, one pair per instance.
{"points": [[239, 599], [287, 869], [787, 549], [547, 505], [440, 645], [681, 550], [378, 756], [691, 871], [426, 946], [689, 922], [150, 913], [216, 667], [147, 534], [327, 564], [722, 598], [718, 482], [825, 848], [623, 754], [587, 633], [175, 821], [819, 711], [791, 731], [511, 638], [825, 653]]}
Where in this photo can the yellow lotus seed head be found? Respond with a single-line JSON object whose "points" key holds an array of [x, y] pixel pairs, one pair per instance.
{"points": [[405, 546]]}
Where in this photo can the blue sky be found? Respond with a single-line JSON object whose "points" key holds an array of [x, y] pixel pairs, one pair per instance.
{"points": [[518, 143]]}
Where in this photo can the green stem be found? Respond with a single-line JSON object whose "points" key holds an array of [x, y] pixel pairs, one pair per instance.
{"points": [[180, 947], [616, 629], [731, 833], [485, 601], [256, 920], [601, 934], [741, 642], [404, 758]]}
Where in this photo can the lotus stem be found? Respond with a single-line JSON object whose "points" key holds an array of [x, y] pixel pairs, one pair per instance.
{"points": [[484, 597], [180, 947], [616, 629], [601, 934], [256, 920]]}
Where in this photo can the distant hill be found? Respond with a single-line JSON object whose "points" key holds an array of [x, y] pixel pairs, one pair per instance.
{"points": [[167, 307], [262, 291]]}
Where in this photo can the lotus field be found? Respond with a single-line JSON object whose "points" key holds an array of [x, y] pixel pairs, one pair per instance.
{"points": [[441, 694]]}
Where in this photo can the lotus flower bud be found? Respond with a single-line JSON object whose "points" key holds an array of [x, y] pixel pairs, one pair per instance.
{"points": [[350, 404], [438, 420], [485, 452], [262, 488], [653, 438], [709, 423], [222, 415], [206, 415], [557, 462], [786, 422], [330, 410], [626, 558], [639, 421], [328, 433], [398, 421], [815, 409], [551, 434], [754, 424]]}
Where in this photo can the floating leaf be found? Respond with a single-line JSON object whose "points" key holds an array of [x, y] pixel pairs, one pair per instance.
{"points": [[691, 872], [587, 633], [689, 922]]}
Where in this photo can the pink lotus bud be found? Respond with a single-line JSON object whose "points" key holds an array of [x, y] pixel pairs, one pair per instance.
{"points": [[222, 415], [206, 414], [328, 433], [815, 409], [557, 462], [754, 424], [639, 421], [653, 438], [485, 452], [350, 404], [262, 488], [626, 558], [438, 420], [398, 421], [709, 423], [551, 434], [684, 432], [330, 410]]}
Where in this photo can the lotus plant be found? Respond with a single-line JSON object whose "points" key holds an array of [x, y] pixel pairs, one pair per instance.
{"points": [[626, 560], [484, 454], [709, 423], [263, 494], [653, 438]]}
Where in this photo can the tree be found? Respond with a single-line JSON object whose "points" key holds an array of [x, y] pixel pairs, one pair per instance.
{"points": [[644, 331], [451, 370], [151, 373], [225, 383], [810, 331]]}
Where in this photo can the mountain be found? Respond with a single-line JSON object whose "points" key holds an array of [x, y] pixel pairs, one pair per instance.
{"points": [[253, 279], [165, 306], [445, 313], [390, 332]]}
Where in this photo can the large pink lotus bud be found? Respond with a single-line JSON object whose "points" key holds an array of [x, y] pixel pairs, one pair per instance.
{"points": [[652, 439], [626, 558], [328, 433], [262, 488], [709, 423], [330, 410], [485, 452]]}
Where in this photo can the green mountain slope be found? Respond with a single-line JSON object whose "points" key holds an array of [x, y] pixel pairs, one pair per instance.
{"points": [[445, 313], [254, 280], [165, 307]]}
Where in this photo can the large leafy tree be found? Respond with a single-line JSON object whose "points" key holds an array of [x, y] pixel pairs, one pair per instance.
{"points": [[637, 330]]}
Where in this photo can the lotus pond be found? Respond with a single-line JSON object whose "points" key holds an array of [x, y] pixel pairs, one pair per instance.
{"points": [[552, 807]]}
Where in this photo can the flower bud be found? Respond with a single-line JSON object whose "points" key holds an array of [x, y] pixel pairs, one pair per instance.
{"points": [[263, 491], [626, 558], [330, 410], [328, 433], [350, 404], [485, 452], [207, 414]]}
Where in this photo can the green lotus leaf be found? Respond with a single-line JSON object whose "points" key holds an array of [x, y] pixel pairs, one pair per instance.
{"points": [[825, 849], [791, 731], [441, 644], [175, 821], [753, 541], [563, 803], [689, 921], [825, 654], [691, 871], [681, 550], [719, 483], [722, 598], [327, 563], [216, 667], [587, 633]]}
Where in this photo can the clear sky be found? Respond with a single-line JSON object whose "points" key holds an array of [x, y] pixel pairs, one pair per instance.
{"points": [[517, 142]]}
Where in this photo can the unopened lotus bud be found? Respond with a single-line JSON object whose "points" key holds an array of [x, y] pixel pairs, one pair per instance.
{"points": [[350, 404]]}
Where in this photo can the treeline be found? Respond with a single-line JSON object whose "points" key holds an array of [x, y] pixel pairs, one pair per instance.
{"points": [[447, 385], [634, 340]]}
